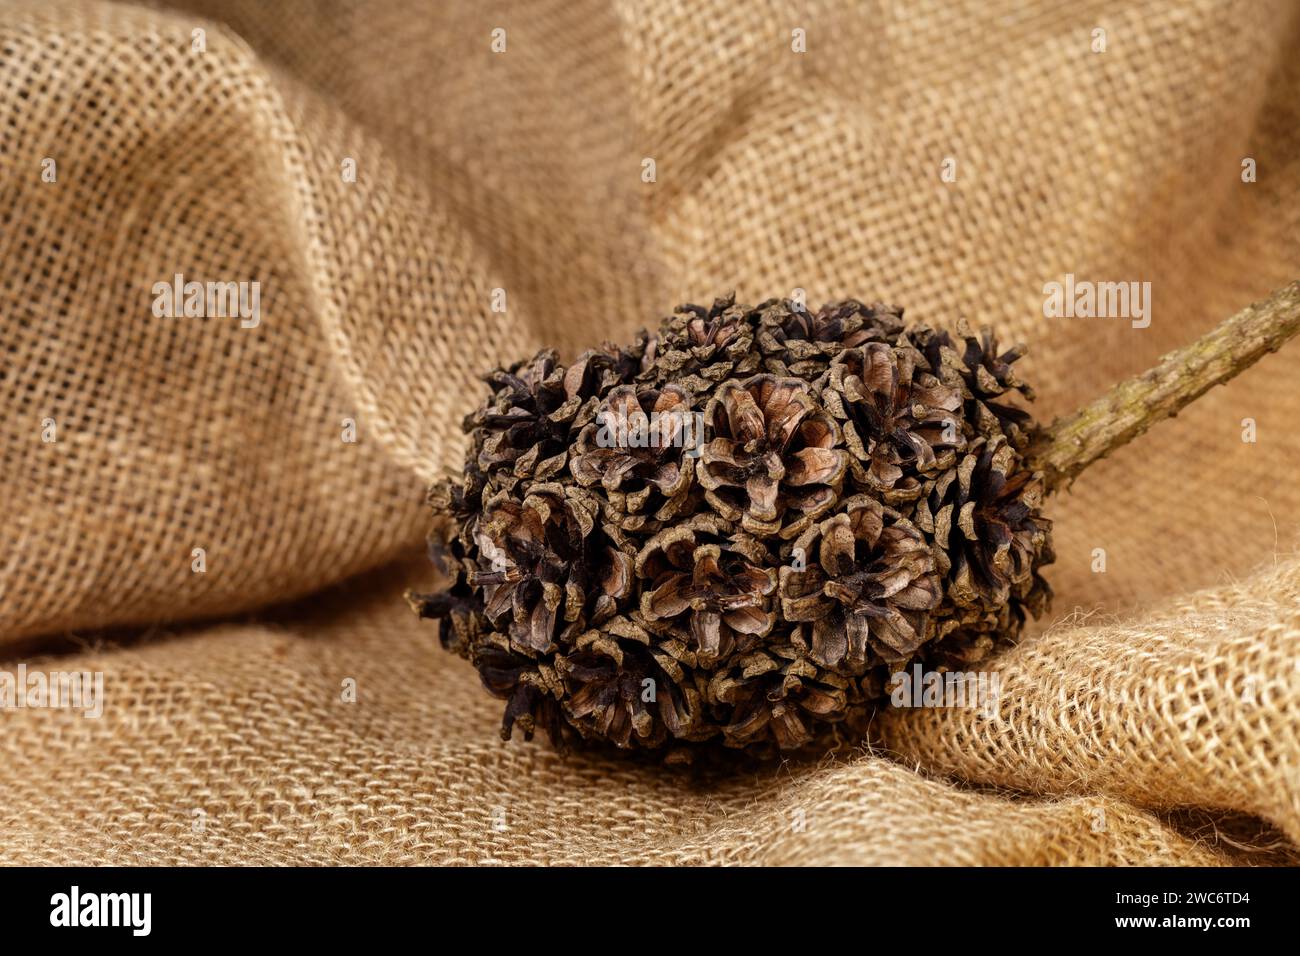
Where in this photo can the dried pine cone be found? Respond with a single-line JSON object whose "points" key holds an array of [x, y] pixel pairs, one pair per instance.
{"points": [[737, 529], [986, 379], [774, 464], [697, 348], [984, 517], [898, 419], [866, 579], [528, 425], [797, 342], [715, 586], [541, 562]]}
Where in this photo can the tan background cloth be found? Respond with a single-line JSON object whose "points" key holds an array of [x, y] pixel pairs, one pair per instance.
{"points": [[1157, 718]]}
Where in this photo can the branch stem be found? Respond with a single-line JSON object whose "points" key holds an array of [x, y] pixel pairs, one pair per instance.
{"points": [[1073, 442]]}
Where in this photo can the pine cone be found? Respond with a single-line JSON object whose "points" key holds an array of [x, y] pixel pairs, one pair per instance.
{"points": [[866, 579], [774, 464], [859, 502], [776, 700], [899, 421], [984, 516], [459, 605], [698, 348], [796, 342], [543, 560], [721, 584], [636, 450], [537, 406], [516, 679], [604, 691], [986, 379]]}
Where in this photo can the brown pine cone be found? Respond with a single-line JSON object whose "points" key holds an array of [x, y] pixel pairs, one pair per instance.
{"points": [[637, 451], [900, 422], [710, 585], [986, 378], [858, 503], [543, 560], [866, 579], [459, 605], [777, 697], [991, 537], [516, 679], [605, 684], [698, 348], [774, 464], [800, 343]]}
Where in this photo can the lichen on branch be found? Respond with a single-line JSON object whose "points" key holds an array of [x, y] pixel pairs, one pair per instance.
{"points": [[1073, 442]]}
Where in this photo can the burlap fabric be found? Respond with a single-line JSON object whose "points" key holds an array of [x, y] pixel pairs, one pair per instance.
{"points": [[1154, 718]]}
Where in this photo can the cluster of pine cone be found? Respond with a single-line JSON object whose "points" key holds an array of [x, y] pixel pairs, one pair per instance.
{"points": [[857, 500]]}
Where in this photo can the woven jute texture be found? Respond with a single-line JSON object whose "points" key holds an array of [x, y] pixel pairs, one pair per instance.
{"points": [[1153, 718]]}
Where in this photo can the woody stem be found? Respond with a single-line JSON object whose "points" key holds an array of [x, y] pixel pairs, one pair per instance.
{"points": [[1073, 442]]}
